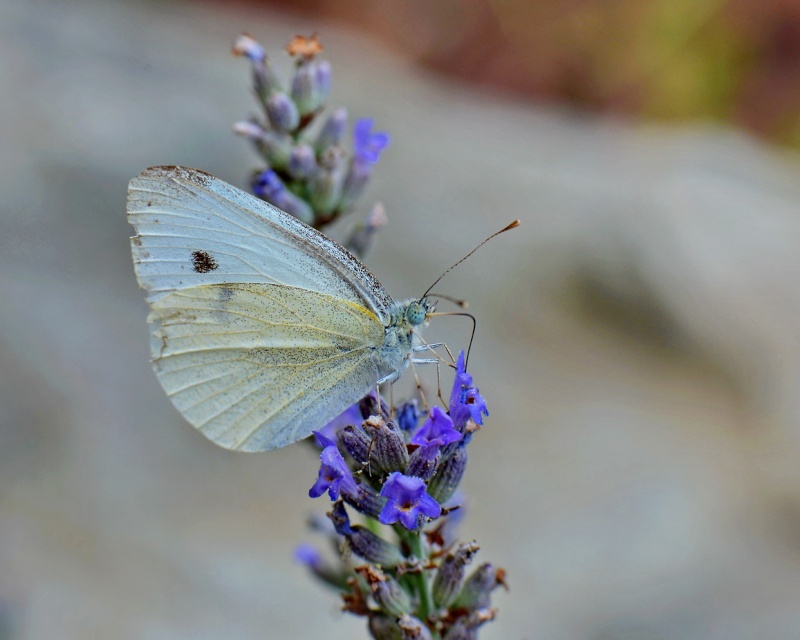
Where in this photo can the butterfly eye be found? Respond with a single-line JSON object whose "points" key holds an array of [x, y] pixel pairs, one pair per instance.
{"points": [[416, 313]]}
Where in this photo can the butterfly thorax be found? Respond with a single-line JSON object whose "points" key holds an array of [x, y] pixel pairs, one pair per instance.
{"points": [[401, 334]]}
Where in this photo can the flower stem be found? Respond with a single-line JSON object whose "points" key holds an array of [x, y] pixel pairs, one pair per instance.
{"points": [[414, 541]]}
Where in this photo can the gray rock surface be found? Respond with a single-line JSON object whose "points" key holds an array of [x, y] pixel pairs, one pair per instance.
{"points": [[637, 343]]}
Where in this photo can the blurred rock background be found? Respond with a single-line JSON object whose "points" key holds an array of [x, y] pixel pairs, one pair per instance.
{"points": [[637, 336]]}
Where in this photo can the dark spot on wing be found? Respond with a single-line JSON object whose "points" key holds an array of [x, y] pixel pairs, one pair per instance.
{"points": [[149, 203], [203, 262]]}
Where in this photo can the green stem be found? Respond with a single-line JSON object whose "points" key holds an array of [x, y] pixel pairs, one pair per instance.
{"points": [[420, 580], [373, 525]]}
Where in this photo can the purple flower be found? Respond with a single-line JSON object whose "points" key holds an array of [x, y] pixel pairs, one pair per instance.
{"points": [[269, 186], [408, 416], [437, 431], [340, 520], [407, 500], [334, 474], [324, 440], [465, 401], [367, 146], [308, 555]]}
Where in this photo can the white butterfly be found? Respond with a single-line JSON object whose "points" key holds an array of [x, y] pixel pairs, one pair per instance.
{"points": [[263, 329]]}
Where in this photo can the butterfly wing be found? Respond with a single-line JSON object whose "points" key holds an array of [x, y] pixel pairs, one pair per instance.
{"points": [[263, 328], [257, 367], [194, 229]]}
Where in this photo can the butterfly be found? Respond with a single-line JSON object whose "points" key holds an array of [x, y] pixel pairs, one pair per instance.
{"points": [[263, 329]]}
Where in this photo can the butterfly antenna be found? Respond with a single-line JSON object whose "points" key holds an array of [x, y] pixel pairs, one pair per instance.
{"points": [[472, 335], [514, 224], [459, 303]]}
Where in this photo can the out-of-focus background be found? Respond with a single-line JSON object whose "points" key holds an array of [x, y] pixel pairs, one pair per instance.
{"points": [[637, 340]]}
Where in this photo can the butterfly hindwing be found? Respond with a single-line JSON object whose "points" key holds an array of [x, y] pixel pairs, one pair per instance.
{"points": [[255, 366]]}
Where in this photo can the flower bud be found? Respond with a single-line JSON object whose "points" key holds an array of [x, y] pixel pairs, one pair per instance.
{"points": [[360, 243], [325, 186], [448, 476], [363, 542], [449, 576], [357, 443], [311, 85], [246, 45], [477, 589], [354, 184], [386, 591], [274, 148], [423, 462], [466, 628], [413, 628], [282, 112], [299, 208], [461, 630], [302, 162], [373, 548], [249, 129], [365, 500], [389, 448], [384, 627], [333, 131], [265, 80]]}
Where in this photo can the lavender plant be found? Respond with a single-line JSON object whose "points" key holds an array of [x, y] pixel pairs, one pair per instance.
{"points": [[395, 469], [309, 172]]}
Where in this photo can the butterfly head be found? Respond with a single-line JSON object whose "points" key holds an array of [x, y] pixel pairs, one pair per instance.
{"points": [[418, 311]]}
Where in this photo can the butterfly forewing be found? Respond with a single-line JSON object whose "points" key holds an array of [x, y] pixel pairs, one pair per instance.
{"points": [[256, 367], [193, 229]]}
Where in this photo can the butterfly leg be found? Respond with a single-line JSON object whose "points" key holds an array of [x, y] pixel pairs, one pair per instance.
{"points": [[425, 347], [438, 360], [392, 377]]}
